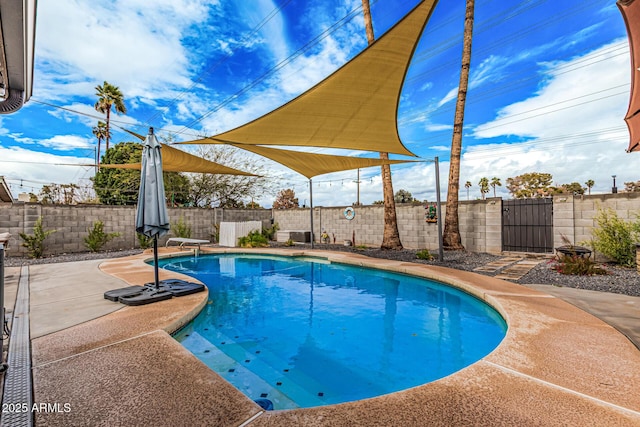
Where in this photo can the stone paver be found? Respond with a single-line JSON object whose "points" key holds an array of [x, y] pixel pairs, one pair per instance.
{"points": [[494, 266], [519, 269]]}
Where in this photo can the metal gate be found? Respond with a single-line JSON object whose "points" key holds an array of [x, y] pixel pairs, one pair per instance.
{"points": [[527, 225]]}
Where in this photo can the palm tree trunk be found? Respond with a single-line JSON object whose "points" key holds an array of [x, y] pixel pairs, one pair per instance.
{"points": [[390, 235], [108, 132], [368, 22], [451, 236], [98, 153]]}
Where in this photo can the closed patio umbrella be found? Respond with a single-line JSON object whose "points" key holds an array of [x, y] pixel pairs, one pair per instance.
{"points": [[152, 218]]}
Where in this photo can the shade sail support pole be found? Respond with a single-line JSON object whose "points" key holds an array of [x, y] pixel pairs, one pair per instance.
{"points": [[439, 210], [311, 209]]}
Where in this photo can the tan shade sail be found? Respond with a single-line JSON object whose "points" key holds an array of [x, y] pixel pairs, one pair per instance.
{"points": [[630, 10], [313, 164], [354, 108], [174, 160]]}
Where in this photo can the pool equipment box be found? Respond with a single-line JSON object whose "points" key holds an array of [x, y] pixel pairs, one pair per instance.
{"points": [[296, 235]]}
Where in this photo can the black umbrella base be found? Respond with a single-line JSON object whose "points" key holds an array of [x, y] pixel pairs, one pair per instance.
{"points": [[115, 294], [147, 294], [177, 287]]}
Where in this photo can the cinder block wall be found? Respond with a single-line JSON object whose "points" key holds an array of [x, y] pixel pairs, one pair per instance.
{"points": [[72, 224], [574, 216], [479, 233], [480, 222]]}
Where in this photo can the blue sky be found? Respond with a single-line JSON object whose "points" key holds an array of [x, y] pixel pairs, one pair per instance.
{"points": [[549, 87]]}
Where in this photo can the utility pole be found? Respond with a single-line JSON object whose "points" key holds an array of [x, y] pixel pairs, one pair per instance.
{"points": [[357, 181]]}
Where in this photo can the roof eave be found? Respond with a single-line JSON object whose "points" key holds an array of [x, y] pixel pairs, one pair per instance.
{"points": [[17, 40]]}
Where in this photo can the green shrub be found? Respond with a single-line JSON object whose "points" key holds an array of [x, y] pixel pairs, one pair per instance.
{"points": [[181, 228], [97, 238], [35, 242], [289, 242], [270, 232], [424, 254], [255, 239], [577, 265], [145, 242], [615, 237], [215, 236]]}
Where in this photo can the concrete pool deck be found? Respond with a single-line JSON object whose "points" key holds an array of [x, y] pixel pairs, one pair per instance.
{"points": [[117, 365]]}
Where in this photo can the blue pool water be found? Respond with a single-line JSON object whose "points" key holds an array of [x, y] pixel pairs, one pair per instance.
{"points": [[304, 332]]}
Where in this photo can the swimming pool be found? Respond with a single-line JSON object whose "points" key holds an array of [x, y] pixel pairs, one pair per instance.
{"points": [[305, 332]]}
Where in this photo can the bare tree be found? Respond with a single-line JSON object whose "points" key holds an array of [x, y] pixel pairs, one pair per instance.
{"points": [[214, 190], [286, 199]]}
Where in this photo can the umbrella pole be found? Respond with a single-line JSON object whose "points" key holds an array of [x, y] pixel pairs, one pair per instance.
{"points": [[155, 261]]}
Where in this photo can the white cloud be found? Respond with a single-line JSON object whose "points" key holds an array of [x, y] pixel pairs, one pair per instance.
{"points": [[81, 44], [586, 93], [491, 69], [426, 86], [66, 142], [272, 31], [443, 148], [57, 142], [69, 114], [436, 128], [449, 96], [27, 170], [305, 71], [574, 125]]}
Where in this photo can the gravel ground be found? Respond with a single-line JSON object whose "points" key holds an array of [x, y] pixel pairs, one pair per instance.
{"points": [[624, 281], [621, 280]]}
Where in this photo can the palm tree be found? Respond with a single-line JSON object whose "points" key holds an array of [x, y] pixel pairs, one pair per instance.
{"points": [[101, 132], [467, 185], [590, 183], [390, 236], [495, 182], [451, 238], [109, 96]]}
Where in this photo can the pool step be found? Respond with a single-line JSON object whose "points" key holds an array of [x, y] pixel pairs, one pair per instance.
{"points": [[237, 364]]}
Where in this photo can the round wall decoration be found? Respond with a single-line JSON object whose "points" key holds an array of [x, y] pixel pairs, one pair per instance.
{"points": [[349, 213]]}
